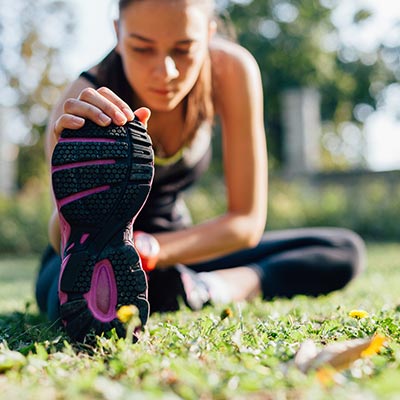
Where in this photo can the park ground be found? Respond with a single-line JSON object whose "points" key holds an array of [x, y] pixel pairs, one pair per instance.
{"points": [[244, 351]]}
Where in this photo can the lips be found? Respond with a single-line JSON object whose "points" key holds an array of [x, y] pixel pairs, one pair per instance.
{"points": [[162, 92]]}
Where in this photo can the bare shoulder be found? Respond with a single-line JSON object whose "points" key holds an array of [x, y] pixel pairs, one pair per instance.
{"points": [[233, 66], [230, 58]]}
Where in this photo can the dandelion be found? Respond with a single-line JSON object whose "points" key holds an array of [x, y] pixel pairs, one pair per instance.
{"points": [[226, 313], [129, 315], [126, 313], [359, 314]]}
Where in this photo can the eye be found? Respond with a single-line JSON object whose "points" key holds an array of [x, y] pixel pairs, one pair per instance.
{"points": [[181, 51], [142, 50]]}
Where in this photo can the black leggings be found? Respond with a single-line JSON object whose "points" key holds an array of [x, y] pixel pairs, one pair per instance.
{"points": [[309, 261]]}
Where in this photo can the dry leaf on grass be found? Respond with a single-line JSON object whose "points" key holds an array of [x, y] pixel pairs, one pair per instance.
{"points": [[339, 355]]}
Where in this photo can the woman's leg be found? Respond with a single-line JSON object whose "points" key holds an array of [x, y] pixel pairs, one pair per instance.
{"points": [[47, 284], [308, 261]]}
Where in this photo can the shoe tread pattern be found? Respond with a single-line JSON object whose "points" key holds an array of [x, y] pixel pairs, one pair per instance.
{"points": [[74, 152], [129, 180]]}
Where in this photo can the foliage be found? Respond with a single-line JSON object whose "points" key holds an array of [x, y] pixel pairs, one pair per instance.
{"points": [[362, 203], [32, 35], [24, 218], [247, 354], [297, 45]]}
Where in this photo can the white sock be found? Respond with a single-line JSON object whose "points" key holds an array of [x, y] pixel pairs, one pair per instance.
{"points": [[219, 290]]}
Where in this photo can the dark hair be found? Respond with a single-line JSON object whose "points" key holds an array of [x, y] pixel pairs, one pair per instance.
{"points": [[208, 4], [198, 104]]}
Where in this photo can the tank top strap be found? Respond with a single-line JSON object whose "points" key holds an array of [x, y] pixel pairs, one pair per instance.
{"points": [[90, 78]]}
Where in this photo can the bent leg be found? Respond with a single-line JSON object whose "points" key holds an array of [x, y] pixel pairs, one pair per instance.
{"points": [[309, 261]]}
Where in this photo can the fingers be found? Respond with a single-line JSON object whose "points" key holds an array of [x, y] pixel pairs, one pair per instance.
{"points": [[66, 121], [118, 106], [143, 113], [101, 106]]}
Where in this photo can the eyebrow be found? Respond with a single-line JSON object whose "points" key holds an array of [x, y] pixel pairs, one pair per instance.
{"points": [[147, 40]]}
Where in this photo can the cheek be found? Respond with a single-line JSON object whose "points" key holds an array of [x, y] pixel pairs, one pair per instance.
{"points": [[132, 63], [134, 73], [190, 69]]}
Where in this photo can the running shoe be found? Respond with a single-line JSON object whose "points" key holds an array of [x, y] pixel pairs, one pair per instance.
{"points": [[101, 178]]}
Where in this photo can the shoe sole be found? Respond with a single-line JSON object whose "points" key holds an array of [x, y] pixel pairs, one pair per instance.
{"points": [[101, 179]]}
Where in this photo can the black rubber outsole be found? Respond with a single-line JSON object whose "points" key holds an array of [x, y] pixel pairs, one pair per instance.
{"points": [[101, 178]]}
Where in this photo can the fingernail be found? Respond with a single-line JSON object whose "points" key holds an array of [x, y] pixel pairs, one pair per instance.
{"points": [[104, 118], [120, 117], [128, 113], [77, 121]]}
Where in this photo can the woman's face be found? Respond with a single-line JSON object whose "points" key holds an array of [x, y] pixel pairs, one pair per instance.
{"points": [[163, 44]]}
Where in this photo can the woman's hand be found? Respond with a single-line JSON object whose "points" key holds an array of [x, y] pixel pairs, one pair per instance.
{"points": [[102, 106]]}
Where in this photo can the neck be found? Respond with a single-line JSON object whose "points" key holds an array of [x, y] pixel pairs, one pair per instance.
{"points": [[167, 131]]}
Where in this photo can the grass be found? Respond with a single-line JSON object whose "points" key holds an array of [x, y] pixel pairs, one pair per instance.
{"points": [[198, 355]]}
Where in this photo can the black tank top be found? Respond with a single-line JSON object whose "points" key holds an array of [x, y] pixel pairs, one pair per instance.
{"points": [[165, 209]]}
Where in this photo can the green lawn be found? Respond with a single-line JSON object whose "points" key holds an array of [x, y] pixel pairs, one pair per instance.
{"points": [[199, 356]]}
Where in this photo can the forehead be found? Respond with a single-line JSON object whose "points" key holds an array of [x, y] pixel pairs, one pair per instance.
{"points": [[166, 19]]}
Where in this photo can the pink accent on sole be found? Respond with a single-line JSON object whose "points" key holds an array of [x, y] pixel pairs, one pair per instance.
{"points": [[65, 232], [102, 297], [86, 140], [80, 195], [81, 164], [71, 247], [84, 238], [61, 295]]}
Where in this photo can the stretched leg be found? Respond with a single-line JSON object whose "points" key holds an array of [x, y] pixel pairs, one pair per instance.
{"points": [[47, 284]]}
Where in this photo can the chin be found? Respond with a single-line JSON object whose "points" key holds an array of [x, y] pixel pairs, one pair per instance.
{"points": [[163, 106]]}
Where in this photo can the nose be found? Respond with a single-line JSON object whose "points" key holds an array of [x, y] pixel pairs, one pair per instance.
{"points": [[166, 68]]}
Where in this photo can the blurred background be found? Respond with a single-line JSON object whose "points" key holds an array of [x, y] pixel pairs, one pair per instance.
{"points": [[331, 71]]}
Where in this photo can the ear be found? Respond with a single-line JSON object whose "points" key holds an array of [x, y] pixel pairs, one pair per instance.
{"points": [[116, 29], [212, 28]]}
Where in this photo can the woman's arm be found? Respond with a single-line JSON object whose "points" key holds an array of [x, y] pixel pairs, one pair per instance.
{"points": [[240, 105]]}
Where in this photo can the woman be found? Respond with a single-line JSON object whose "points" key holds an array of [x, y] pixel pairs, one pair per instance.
{"points": [[169, 60]]}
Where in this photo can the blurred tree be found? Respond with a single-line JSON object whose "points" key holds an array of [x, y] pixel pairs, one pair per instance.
{"points": [[297, 45], [32, 33]]}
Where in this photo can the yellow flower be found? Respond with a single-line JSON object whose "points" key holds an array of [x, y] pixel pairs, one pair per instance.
{"points": [[358, 314], [226, 313], [126, 313]]}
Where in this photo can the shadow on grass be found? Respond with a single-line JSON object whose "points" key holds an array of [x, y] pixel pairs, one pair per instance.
{"points": [[25, 331], [21, 331]]}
